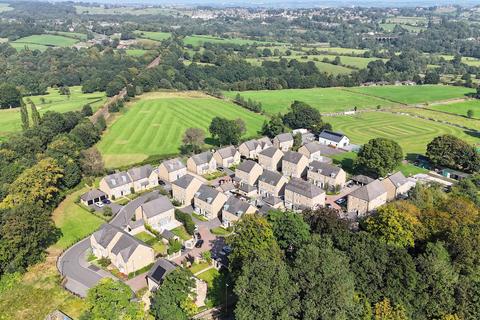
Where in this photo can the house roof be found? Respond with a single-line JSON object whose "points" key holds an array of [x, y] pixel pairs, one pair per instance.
{"points": [[398, 179], [332, 136], [251, 144], [303, 187], [270, 152], [167, 234], [313, 147], [324, 169], [184, 181], [202, 158], [139, 173], [270, 177], [92, 194], [125, 245], [272, 200], [173, 165], [370, 191], [157, 206], [160, 270], [293, 157], [236, 206], [206, 193], [225, 187], [227, 152], [245, 187], [284, 137], [362, 179], [265, 142], [247, 166], [105, 234], [118, 179]]}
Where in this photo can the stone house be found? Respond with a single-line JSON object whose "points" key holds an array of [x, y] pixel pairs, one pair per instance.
{"points": [[312, 151], [283, 141], [116, 185], [159, 213], [227, 157], [271, 159], [326, 175], [184, 189], [271, 183], [92, 196], [265, 142], [301, 194], [209, 202], [294, 164], [158, 272], [396, 185], [250, 149], [367, 198], [171, 170], [143, 178], [234, 209], [202, 163], [248, 172]]}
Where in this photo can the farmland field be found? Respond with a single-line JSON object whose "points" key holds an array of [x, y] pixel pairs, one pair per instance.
{"points": [[412, 134], [338, 50], [10, 118], [390, 26], [324, 99], [152, 35], [155, 123], [48, 40], [75, 35], [440, 116], [460, 108], [322, 66], [414, 94], [19, 46], [197, 40]]}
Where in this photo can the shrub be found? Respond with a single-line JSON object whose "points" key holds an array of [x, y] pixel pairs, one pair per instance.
{"points": [[104, 262], [174, 246], [187, 221], [176, 203], [107, 211]]}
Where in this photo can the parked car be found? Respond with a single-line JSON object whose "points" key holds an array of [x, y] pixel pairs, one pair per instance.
{"points": [[106, 201], [199, 243], [341, 201], [227, 249], [99, 204]]}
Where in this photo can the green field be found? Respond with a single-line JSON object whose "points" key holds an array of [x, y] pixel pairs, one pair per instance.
{"points": [[154, 125], [414, 94], [10, 118], [75, 35], [412, 134], [445, 117], [197, 40], [460, 108], [390, 26], [19, 46], [322, 66], [122, 10], [338, 50], [157, 36], [49, 40], [324, 99]]}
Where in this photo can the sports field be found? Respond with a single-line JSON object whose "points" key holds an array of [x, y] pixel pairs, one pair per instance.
{"points": [[460, 108], [412, 134], [154, 125], [324, 99], [10, 118], [48, 40], [445, 117]]}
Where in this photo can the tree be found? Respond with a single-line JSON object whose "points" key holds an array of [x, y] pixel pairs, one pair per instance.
{"points": [[289, 229], [193, 139], [92, 162], [302, 115], [169, 300], [385, 311], [24, 116], [87, 110], [378, 157], [470, 113], [326, 283], [265, 290], [114, 87], [227, 131], [36, 119], [131, 90], [101, 124], [432, 77], [110, 299], [273, 127], [10, 96], [452, 152], [86, 133], [297, 141]]}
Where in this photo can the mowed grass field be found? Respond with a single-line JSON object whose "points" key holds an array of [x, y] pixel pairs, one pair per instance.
{"points": [[156, 122], [324, 99], [43, 42], [444, 117], [153, 35], [10, 118], [412, 134], [460, 108], [414, 94]]}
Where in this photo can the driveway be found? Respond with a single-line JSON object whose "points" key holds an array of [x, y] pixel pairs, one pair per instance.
{"points": [[128, 211], [330, 199]]}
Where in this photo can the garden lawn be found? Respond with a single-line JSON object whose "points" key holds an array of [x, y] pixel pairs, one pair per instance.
{"points": [[181, 233], [413, 134], [414, 94], [460, 108], [155, 123], [157, 245], [324, 99], [10, 118], [49, 40]]}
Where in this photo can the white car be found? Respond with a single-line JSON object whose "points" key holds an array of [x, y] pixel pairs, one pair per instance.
{"points": [[99, 204]]}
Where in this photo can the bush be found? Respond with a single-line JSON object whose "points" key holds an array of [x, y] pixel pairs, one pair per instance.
{"points": [[187, 221], [104, 262], [174, 246], [176, 203], [107, 211]]}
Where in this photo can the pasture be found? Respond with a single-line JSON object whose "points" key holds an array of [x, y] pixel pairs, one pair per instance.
{"points": [[153, 35], [155, 123], [324, 99], [460, 108], [48, 40], [198, 40], [19, 46], [322, 66], [10, 118], [413, 134]]}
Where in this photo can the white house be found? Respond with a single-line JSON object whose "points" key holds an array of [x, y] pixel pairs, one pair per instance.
{"points": [[333, 139]]}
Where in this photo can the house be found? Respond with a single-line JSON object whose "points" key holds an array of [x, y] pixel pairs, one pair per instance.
{"points": [[227, 157], [396, 185], [143, 178], [116, 185], [307, 136], [209, 202], [202, 163], [283, 141], [159, 213], [294, 164], [158, 272], [92, 196], [362, 180], [184, 189], [271, 183], [454, 174], [126, 253], [312, 151], [247, 190], [270, 159], [250, 149], [333, 139], [301, 194], [234, 209], [326, 176], [171, 170], [265, 142], [248, 172], [367, 198]]}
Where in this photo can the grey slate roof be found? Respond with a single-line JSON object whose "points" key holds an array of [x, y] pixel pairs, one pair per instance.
{"points": [[272, 201], [251, 144], [160, 270], [184, 181], [116, 180], [303, 187], [324, 168], [202, 158], [292, 157], [362, 179], [284, 137], [206, 193], [124, 246], [245, 187], [270, 152], [313, 147], [398, 179], [227, 152], [92, 194], [265, 142], [173, 165], [270, 177], [105, 235], [247, 166], [157, 206], [236, 206], [139, 173], [227, 187], [370, 191], [332, 136]]}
